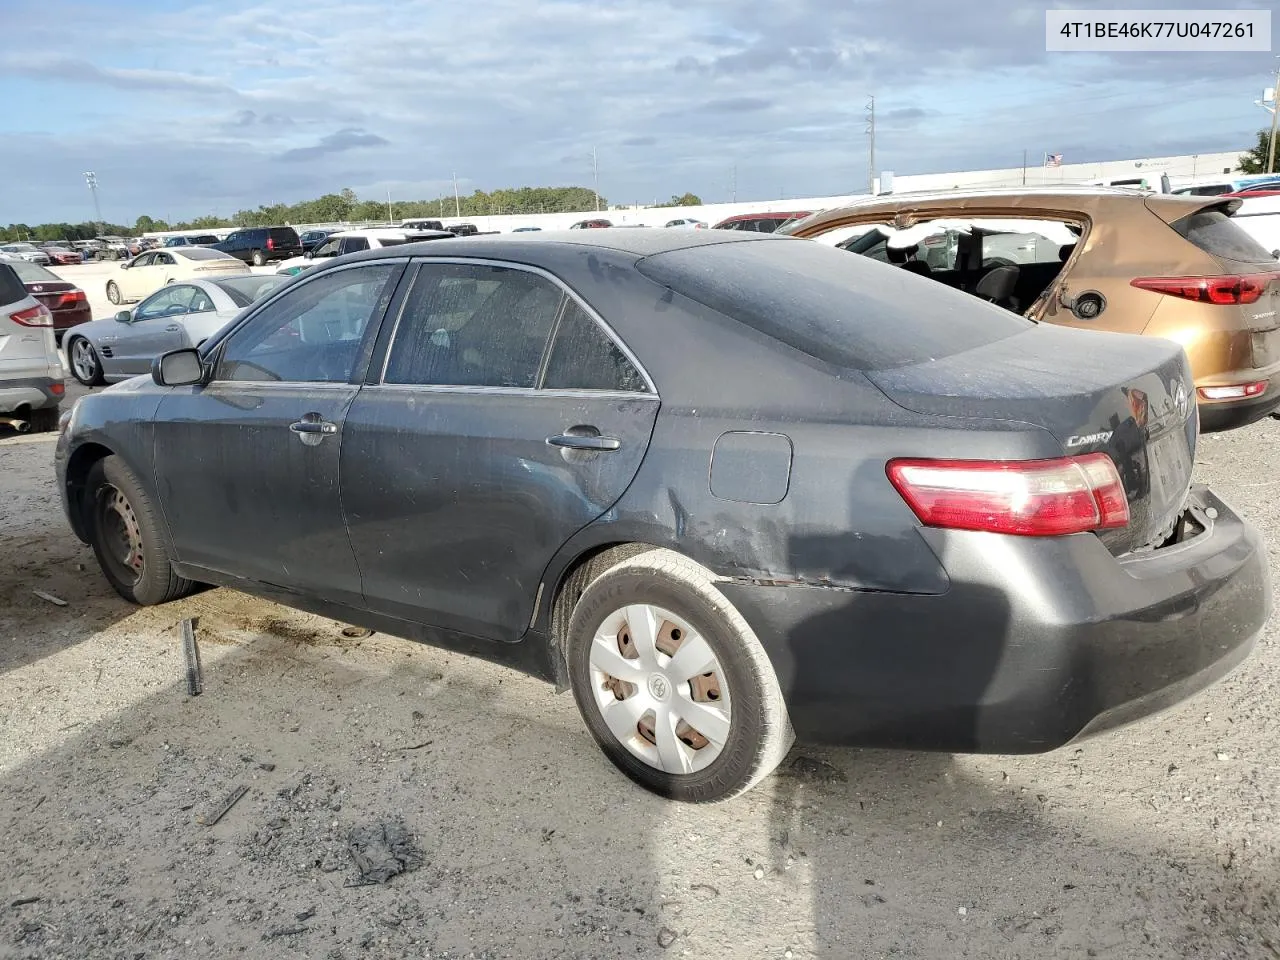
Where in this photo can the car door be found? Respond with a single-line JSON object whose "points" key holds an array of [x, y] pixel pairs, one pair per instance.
{"points": [[155, 328], [135, 279], [470, 458], [247, 465]]}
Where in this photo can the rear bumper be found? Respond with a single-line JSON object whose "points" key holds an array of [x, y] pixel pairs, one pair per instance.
{"points": [[1216, 416], [34, 393], [1036, 642]]}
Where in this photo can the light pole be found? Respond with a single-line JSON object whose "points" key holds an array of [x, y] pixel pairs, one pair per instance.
{"points": [[1275, 115], [91, 179]]}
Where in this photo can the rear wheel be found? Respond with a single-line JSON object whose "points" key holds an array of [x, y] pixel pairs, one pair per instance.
{"points": [[258, 259], [85, 365], [113, 292], [126, 538], [672, 681]]}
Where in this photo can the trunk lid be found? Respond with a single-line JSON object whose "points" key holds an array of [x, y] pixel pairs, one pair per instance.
{"points": [[1128, 396]]}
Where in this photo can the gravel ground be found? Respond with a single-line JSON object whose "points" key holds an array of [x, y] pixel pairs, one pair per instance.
{"points": [[1155, 841]]}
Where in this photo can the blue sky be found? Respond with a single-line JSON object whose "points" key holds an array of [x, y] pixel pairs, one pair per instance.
{"points": [[189, 108]]}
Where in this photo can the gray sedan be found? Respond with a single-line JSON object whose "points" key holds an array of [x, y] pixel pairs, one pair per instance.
{"points": [[177, 316]]}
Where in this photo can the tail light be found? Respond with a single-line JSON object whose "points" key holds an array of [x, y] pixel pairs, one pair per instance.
{"points": [[271, 244], [1229, 290], [37, 316], [1234, 391], [69, 299], [1034, 498]]}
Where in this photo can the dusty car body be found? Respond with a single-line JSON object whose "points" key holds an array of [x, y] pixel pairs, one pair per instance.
{"points": [[722, 486], [1143, 263]]}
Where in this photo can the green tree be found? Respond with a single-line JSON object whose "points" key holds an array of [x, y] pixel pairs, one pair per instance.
{"points": [[1255, 161], [687, 200]]}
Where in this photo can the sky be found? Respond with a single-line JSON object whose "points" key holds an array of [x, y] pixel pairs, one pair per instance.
{"points": [[192, 108]]}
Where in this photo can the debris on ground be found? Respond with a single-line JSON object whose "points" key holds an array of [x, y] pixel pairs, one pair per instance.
{"points": [[56, 601], [191, 652], [24, 901], [383, 850], [232, 799], [666, 937], [813, 770], [356, 633]]}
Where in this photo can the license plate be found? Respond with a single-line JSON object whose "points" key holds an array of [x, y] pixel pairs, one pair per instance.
{"points": [[1169, 468]]}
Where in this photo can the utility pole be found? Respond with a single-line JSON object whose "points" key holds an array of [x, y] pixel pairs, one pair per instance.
{"points": [[389, 216], [595, 177], [1024, 168], [457, 203], [1275, 115], [733, 189], [91, 179], [871, 145]]}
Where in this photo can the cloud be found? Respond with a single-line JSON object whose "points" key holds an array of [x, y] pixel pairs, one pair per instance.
{"points": [[672, 96], [342, 140]]}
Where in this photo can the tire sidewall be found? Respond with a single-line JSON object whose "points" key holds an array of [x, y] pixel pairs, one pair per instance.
{"points": [[113, 293], [737, 760], [155, 584], [258, 259], [97, 362]]}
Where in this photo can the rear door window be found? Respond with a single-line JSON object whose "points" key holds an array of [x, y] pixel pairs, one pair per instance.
{"points": [[842, 310], [1218, 235], [475, 326], [584, 357], [11, 288]]}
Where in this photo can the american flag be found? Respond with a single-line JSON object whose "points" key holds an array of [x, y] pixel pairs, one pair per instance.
{"points": [[1053, 159]]}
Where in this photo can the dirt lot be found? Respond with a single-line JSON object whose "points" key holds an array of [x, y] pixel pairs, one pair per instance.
{"points": [[1160, 840]]}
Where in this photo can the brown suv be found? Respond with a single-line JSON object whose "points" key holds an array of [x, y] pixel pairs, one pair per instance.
{"points": [[1099, 259]]}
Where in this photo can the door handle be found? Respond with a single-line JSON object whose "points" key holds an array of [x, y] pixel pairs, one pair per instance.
{"points": [[313, 427], [173, 328], [579, 442]]}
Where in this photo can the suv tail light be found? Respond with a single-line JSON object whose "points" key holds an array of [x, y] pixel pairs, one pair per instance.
{"points": [[1234, 391], [1034, 498], [271, 244], [37, 316], [1228, 290]]}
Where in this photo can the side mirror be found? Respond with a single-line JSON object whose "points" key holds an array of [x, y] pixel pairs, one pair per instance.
{"points": [[124, 316], [1276, 254], [124, 265], [309, 254], [177, 368]]}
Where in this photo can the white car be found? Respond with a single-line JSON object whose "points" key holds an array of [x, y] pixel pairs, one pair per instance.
{"points": [[26, 251], [176, 317], [1260, 218], [31, 384], [687, 224], [149, 271], [352, 241]]}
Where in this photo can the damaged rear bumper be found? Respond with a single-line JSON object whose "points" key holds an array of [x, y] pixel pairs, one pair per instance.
{"points": [[1036, 642]]}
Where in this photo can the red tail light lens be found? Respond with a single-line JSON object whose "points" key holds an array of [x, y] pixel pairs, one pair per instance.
{"points": [[1234, 391], [70, 299], [271, 244], [37, 316], [1227, 290], [1033, 498]]}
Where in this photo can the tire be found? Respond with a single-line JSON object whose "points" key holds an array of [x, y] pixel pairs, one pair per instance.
{"points": [[113, 292], [44, 420], [258, 259], [84, 362], [737, 701], [125, 534]]}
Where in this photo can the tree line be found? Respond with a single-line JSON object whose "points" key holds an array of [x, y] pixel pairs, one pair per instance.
{"points": [[345, 206]]}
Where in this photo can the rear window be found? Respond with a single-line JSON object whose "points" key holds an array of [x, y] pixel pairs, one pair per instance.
{"points": [[11, 288], [199, 253], [33, 272], [1218, 235], [284, 234], [839, 308]]}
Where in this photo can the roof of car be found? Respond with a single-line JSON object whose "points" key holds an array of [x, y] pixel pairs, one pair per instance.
{"points": [[389, 233], [546, 244]]}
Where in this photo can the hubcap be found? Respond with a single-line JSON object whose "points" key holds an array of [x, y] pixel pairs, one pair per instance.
{"points": [[660, 689], [82, 360], [122, 534]]}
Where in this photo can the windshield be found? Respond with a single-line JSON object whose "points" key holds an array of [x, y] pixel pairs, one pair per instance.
{"points": [[245, 290], [201, 253]]}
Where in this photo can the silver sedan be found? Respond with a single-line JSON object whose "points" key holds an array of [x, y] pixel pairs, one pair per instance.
{"points": [[178, 316]]}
